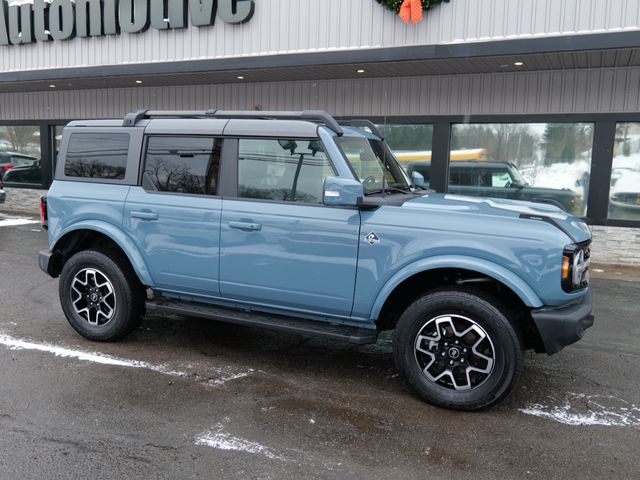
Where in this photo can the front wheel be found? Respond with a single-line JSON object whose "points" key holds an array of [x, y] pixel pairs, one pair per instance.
{"points": [[100, 295], [457, 349]]}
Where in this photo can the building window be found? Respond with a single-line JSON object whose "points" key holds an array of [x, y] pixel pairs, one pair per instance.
{"points": [[97, 155], [182, 165], [20, 155], [284, 170], [624, 195], [411, 144], [540, 162]]}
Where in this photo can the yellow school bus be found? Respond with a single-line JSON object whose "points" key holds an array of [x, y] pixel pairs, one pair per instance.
{"points": [[456, 155]]}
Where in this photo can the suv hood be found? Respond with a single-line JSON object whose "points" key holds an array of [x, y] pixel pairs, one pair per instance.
{"points": [[573, 227]]}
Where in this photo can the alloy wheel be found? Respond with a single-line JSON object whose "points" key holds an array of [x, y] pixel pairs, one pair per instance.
{"points": [[455, 352]]}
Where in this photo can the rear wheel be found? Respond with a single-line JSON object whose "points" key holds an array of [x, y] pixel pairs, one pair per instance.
{"points": [[457, 349], [100, 295]]}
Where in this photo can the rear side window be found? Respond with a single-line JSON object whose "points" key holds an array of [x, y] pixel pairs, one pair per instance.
{"points": [[97, 155], [182, 165]]}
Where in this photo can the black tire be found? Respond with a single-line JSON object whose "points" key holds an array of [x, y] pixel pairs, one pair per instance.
{"points": [[127, 297], [432, 310]]}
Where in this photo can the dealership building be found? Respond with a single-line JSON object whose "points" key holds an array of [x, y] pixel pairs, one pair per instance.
{"points": [[530, 99]]}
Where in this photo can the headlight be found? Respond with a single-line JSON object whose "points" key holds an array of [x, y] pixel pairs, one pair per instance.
{"points": [[575, 267]]}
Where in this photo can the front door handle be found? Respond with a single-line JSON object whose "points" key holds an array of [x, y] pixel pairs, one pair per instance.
{"points": [[245, 226], [144, 215]]}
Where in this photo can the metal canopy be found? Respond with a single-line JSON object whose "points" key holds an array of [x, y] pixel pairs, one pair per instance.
{"points": [[588, 59]]}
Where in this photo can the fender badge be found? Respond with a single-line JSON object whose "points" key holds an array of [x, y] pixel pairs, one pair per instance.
{"points": [[372, 238]]}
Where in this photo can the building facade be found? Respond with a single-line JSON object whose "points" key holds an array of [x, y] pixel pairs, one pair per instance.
{"points": [[532, 99]]}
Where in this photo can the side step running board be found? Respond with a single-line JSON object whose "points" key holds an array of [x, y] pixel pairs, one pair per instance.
{"points": [[359, 336]]}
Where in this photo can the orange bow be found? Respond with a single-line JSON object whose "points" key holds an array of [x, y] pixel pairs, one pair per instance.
{"points": [[411, 10]]}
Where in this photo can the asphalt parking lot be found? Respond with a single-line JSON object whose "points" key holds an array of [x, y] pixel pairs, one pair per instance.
{"points": [[188, 398]]}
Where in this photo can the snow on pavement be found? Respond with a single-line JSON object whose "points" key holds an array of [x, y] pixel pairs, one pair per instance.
{"points": [[13, 343], [15, 222], [579, 409], [219, 439]]}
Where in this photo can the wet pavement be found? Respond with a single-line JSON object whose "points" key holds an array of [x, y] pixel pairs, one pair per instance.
{"points": [[189, 398]]}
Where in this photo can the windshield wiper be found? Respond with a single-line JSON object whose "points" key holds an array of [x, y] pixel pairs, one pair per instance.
{"points": [[388, 189]]}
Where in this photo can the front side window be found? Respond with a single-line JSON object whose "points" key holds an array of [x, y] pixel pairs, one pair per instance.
{"points": [[283, 170], [97, 155], [182, 165], [373, 163]]}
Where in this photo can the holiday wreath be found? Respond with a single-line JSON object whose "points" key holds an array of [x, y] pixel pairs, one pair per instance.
{"points": [[410, 10]]}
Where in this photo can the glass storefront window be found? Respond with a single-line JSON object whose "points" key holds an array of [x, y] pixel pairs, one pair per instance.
{"points": [[409, 142], [539, 162], [20, 155], [624, 195]]}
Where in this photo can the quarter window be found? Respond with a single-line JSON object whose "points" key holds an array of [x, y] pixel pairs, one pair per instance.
{"points": [[182, 165], [284, 170], [97, 155]]}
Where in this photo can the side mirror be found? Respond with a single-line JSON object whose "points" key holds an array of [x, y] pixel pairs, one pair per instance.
{"points": [[342, 192], [417, 179]]}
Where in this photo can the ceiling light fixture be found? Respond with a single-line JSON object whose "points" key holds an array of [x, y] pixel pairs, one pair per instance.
{"points": [[518, 64], [139, 82], [240, 77], [52, 86], [361, 70]]}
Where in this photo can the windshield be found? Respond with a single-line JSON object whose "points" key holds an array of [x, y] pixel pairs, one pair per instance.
{"points": [[373, 163]]}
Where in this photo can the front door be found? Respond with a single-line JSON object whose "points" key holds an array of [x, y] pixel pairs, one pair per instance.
{"points": [[280, 247], [174, 217]]}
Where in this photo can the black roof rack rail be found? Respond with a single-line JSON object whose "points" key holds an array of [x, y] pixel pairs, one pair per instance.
{"points": [[361, 122], [310, 115], [134, 117]]}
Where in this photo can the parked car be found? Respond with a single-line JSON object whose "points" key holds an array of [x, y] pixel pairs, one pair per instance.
{"points": [[624, 200], [31, 173], [500, 180], [262, 219], [9, 160]]}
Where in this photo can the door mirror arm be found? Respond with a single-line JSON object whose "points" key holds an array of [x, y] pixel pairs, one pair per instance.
{"points": [[367, 205]]}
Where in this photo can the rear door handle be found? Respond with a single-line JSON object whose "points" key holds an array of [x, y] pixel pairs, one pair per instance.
{"points": [[144, 215], [245, 226]]}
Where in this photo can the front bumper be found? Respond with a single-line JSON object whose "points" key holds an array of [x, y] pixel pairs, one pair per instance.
{"points": [[562, 326]]}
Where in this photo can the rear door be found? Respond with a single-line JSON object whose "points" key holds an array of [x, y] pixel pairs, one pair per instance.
{"points": [[174, 216], [280, 246]]}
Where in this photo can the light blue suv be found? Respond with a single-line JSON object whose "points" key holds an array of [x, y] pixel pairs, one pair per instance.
{"points": [[296, 222]]}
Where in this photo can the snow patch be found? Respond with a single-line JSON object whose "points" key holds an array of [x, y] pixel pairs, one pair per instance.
{"points": [[18, 344], [95, 357], [579, 409], [15, 222], [221, 440], [216, 382]]}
